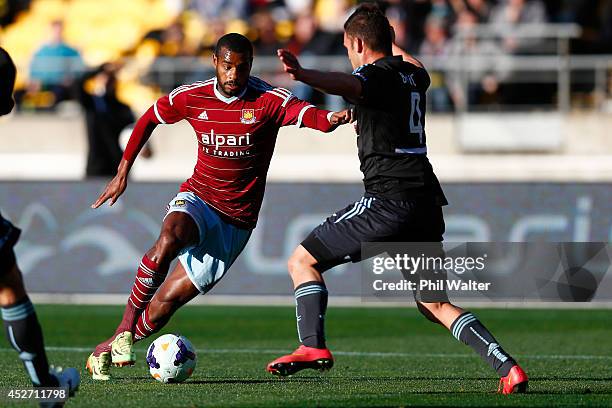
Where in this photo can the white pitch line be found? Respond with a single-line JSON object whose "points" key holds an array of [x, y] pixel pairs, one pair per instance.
{"points": [[353, 353]]}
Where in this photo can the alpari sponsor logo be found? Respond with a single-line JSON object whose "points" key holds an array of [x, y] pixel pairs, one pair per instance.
{"points": [[226, 145]]}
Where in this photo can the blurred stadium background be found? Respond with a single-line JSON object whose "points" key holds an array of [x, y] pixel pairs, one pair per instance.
{"points": [[518, 125]]}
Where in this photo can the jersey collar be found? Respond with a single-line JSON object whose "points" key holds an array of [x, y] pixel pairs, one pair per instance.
{"points": [[224, 98], [389, 58], [382, 60]]}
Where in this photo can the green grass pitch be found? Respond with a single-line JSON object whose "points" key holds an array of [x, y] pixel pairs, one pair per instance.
{"points": [[384, 358]]}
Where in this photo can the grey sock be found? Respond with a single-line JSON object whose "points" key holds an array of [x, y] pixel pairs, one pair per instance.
{"points": [[468, 330], [25, 335], [310, 308]]}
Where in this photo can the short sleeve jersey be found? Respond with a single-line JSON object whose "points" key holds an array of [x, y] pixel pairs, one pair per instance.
{"points": [[391, 124], [236, 137]]}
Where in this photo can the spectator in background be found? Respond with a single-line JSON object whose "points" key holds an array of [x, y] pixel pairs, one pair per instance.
{"points": [[480, 8], [508, 15], [397, 18], [514, 12], [105, 118], [171, 43], [216, 28], [215, 9], [55, 67], [331, 15], [519, 12], [480, 85], [10, 9], [309, 41], [264, 27], [413, 15], [436, 47], [436, 38], [442, 9], [595, 19], [305, 29], [299, 7]]}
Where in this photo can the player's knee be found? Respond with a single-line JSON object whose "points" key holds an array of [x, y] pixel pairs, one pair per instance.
{"points": [[11, 286], [431, 310], [293, 265], [297, 263], [433, 307], [166, 247]]}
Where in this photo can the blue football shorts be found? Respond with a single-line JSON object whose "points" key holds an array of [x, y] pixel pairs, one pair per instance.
{"points": [[220, 242]]}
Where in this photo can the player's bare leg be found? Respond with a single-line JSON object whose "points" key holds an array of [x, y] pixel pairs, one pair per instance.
{"points": [[178, 231], [311, 305], [176, 291], [12, 289], [302, 267], [469, 330], [443, 313]]}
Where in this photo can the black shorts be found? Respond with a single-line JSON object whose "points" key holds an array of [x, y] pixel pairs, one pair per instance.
{"points": [[9, 234], [338, 239]]}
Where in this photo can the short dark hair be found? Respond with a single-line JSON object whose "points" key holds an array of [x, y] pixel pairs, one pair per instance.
{"points": [[234, 42], [370, 24]]}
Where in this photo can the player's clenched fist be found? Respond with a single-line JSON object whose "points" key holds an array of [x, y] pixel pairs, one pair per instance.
{"points": [[341, 117]]}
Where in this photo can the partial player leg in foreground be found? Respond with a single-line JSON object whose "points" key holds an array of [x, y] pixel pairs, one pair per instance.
{"points": [[22, 328], [338, 240], [206, 247], [20, 322]]}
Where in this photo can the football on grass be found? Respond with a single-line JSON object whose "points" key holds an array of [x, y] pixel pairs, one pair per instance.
{"points": [[171, 358]]}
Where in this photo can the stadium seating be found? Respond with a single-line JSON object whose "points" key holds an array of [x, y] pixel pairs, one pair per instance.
{"points": [[100, 30]]}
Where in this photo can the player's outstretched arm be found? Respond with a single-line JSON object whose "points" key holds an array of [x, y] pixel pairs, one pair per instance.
{"points": [[335, 83], [141, 133], [115, 187], [323, 120]]}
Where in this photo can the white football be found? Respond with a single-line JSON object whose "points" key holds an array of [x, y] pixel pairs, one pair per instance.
{"points": [[171, 358]]}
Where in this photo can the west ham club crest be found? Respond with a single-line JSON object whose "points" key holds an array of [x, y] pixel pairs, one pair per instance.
{"points": [[248, 116]]}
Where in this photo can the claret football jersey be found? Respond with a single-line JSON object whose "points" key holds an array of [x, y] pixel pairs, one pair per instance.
{"points": [[236, 138]]}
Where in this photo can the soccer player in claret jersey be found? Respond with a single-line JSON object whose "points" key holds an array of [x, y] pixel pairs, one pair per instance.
{"points": [[18, 314], [236, 119], [403, 199]]}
